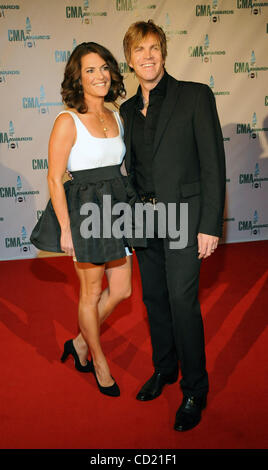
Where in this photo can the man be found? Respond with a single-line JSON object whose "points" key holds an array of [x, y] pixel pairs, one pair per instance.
{"points": [[174, 154]]}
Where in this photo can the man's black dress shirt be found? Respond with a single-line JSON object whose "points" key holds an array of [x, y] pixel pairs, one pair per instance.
{"points": [[143, 134]]}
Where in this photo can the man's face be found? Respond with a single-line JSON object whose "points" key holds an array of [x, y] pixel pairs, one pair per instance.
{"points": [[146, 59]]}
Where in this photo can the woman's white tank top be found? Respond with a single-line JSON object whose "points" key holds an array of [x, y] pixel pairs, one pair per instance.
{"points": [[93, 152]]}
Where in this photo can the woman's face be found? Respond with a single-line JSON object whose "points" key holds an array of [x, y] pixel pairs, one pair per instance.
{"points": [[95, 75]]}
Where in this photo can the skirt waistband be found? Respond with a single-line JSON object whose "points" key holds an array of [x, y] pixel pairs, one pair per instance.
{"points": [[96, 174]]}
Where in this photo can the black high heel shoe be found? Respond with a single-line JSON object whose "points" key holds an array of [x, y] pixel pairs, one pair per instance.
{"points": [[70, 349], [112, 391]]}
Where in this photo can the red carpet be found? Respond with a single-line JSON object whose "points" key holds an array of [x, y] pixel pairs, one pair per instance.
{"points": [[48, 405]]}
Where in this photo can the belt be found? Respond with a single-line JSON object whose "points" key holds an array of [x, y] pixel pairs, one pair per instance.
{"points": [[94, 175], [149, 198]]}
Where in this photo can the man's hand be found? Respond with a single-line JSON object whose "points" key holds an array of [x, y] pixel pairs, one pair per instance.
{"points": [[207, 244]]}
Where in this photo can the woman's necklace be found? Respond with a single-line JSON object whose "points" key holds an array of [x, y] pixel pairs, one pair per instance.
{"points": [[102, 121]]}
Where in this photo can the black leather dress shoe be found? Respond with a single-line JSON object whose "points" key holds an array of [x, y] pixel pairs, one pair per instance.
{"points": [[154, 386], [189, 413]]}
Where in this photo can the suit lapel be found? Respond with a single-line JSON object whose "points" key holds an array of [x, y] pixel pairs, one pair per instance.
{"points": [[169, 103]]}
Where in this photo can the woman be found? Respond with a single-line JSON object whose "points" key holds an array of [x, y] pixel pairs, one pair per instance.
{"points": [[87, 139]]}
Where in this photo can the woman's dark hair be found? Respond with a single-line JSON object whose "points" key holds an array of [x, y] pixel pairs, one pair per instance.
{"points": [[71, 88]]}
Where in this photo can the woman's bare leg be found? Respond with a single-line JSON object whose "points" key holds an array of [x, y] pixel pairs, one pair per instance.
{"points": [[95, 306], [118, 275], [90, 277]]}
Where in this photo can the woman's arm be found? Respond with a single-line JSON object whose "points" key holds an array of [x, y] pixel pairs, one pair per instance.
{"points": [[61, 140]]}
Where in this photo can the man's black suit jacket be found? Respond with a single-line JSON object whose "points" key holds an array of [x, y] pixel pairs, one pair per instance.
{"points": [[188, 155]]}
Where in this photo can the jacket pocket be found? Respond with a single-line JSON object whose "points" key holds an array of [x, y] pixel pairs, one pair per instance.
{"points": [[190, 189]]}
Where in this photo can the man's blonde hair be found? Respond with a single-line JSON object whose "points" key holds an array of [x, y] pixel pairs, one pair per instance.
{"points": [[138, 31]]}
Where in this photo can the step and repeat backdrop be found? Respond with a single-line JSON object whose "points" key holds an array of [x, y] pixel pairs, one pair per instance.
{"points": [[220, 43]]}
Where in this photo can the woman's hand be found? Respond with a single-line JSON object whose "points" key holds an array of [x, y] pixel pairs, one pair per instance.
{"points": [[66, 242]]}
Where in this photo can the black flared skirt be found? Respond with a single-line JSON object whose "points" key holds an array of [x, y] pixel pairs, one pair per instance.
{"points": [[96, 226]]}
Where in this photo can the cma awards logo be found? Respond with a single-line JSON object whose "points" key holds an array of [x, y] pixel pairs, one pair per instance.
{"points": [[168, 27], [255, 7], [254, 178], [24, 35], [203, 51], [252, 225], [64, 55], [39, 102], [20, 195], [10, 139], [211, 11], [250, 129], [20, 242], [16, 192], [212, 86], [82, 12], [250, 67], [131, 5]]}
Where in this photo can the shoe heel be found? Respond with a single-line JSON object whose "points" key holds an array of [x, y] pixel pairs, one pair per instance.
{"points": [[64, 356], [70, 349]]}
